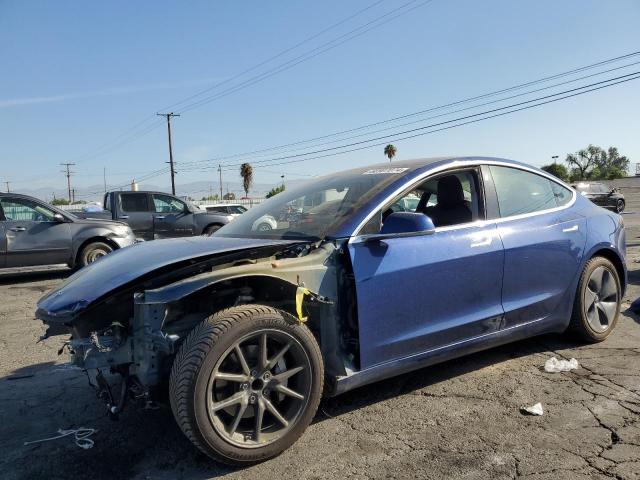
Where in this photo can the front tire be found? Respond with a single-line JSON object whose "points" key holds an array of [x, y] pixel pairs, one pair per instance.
{"points": [[597, 303], [620, 206], [93, 252], [246, 383]]}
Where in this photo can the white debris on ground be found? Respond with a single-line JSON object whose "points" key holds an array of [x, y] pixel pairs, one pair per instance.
{"points": [[553, 365], [533, 409]]}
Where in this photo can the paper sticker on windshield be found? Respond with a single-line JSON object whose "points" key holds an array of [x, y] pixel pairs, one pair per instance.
{"points": [[378, 171]]}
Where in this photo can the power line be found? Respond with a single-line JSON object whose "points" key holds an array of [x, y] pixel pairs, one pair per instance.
{"points": [[352, 34], [132, 133], [486, 116], [440, 107]]}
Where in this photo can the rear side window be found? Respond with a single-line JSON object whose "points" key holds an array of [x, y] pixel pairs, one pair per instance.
{"points": [[134, 202], [217, 209], [520, 192]]}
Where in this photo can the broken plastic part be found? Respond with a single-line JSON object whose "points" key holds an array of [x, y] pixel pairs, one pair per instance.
{"points": [[553, 365], [300, 294], [533, 409]]}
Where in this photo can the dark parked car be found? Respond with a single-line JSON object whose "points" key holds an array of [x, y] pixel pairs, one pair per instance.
{"points": [[250, 327], [153, 215], [602, 195], [35, 233]]}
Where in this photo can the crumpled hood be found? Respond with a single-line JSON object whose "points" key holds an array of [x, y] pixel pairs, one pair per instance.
{"points": [[125, 265]]}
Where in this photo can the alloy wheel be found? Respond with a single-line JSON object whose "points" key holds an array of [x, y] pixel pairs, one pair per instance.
{"points": [[259, 388], [601, 299]]}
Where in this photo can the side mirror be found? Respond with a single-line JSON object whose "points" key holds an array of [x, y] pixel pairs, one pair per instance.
{"points": [[58, 217], [405, 224]]}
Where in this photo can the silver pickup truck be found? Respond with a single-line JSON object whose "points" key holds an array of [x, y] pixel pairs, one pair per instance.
{"points": [[153, 215]]}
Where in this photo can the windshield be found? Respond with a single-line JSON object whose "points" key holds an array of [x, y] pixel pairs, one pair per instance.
{"points": [[312, 210]]}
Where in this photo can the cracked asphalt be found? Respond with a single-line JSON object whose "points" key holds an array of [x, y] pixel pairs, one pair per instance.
{"points": [[460, 419]]}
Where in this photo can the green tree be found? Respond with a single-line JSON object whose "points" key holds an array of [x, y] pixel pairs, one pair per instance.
{"points": [[595, 163], [558, 170], [246, 172], [275, 191], [229, 196], [59, 201], [390, 151]]}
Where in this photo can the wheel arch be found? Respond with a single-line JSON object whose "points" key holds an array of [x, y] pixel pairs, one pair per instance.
{"points": [[614, 257]]}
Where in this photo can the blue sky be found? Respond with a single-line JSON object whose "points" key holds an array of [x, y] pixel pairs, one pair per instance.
{"points": [[78, 74]]}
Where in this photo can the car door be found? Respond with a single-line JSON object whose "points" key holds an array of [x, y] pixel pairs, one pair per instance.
{"points": [[543, 241], [136, 209], [33, 236], [420, 293], [171, 217]]}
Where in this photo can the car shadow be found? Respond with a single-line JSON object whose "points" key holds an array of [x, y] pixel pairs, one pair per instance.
{"points": [[147, 442], [11, 276]]}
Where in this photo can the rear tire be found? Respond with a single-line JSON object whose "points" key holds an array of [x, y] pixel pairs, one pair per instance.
{"points": [[620, 206], [93, 252], [597, 304], [234, 402]]}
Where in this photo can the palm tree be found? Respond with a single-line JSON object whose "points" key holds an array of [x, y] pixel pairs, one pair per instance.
{"points": [[390, 151], [246, 172]]}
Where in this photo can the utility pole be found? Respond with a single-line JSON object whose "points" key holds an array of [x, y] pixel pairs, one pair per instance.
{"points": [[68, 173], [8, 189], [173, 172], [73, 195], [104, 178], [220, 172], [282, 177]]}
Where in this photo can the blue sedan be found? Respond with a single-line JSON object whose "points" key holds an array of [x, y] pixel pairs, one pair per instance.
{"points": [[361, 275]]}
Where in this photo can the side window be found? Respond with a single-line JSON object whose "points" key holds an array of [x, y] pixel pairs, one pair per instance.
{"points": [[134, 202], [521, 192], [167, 204], [25, 210], [217, 209], [448, 199]]}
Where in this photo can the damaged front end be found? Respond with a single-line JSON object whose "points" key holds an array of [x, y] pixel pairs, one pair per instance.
{"points": [[133, 325]]}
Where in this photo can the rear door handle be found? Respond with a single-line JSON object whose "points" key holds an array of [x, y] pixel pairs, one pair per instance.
{"points": [[18, 229], [570, 229], [124, 217], [160, 217]]}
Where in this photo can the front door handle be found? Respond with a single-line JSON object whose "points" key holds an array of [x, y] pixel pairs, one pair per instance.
{"points": [[570, 229], [482, 243], [18, 229]]}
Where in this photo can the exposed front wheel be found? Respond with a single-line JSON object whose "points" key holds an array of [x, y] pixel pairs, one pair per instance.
{"points": [[246, 383], [597, 303], [93, 252]]}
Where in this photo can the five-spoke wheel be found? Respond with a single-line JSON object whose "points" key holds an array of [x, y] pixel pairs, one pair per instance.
{"points": [[597, 303], [246, 383]]}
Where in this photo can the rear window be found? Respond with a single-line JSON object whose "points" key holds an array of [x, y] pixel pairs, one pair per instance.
{"points": [[134, 202], [520, 192]]}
